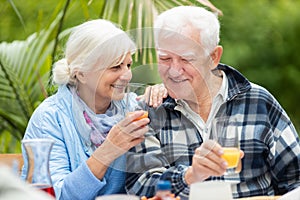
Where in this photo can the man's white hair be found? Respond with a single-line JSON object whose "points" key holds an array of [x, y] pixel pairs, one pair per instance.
{"points": [[176, 20]]}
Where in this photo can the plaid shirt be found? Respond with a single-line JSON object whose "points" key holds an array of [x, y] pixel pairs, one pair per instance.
{"points": [[271, 164]]}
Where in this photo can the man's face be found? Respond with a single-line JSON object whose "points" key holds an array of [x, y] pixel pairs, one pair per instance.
{"points": [[183, 66]]}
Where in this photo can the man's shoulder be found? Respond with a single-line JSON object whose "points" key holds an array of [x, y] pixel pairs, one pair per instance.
{"points": [[260, 92]]}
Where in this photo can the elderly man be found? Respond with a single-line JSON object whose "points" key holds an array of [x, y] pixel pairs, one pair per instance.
{"points": [[201, 89]]}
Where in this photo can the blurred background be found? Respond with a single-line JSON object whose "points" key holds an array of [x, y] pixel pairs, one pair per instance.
{"points": [[260, 39]]}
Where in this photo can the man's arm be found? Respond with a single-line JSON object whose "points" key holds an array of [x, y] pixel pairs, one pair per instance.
{"points": [[286, 168], [147, 164]]}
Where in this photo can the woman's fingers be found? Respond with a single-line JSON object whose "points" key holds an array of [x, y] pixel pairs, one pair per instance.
{"points": [[133, 116], [146, 96], [131, 126], [135, 129], [154, 95], [123, 136]]}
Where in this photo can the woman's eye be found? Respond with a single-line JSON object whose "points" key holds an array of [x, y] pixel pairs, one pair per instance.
{"points": [[116, 67]]}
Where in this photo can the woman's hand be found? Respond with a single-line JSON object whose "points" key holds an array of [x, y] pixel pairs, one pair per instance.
{"points": [[157, 93], [123, 136]]}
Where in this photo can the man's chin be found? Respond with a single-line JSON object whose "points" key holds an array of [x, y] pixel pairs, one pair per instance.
{"points": [[181, 96], [176, 96]]}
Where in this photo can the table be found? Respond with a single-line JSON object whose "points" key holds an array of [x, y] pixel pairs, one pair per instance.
{"points": [[261, 198]]}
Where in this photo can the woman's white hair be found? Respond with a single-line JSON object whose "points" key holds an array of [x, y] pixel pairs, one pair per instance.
{"points": [[93, 45], [174, 21]]}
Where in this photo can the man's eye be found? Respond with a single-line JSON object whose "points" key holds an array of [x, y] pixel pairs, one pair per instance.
{"points": [[185, 60], [165, 59]]}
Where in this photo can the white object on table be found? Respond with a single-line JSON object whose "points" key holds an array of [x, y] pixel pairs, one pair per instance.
{"points": [[12, 188], [210, 190], [292, 195], [118, 197]]}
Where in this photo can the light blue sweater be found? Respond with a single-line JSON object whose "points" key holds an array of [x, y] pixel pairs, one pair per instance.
{"points": [[71, 177]]}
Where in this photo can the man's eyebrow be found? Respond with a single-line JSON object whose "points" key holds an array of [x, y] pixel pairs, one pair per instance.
{"points": [[184, 55], [161, 53], [189, 55]]}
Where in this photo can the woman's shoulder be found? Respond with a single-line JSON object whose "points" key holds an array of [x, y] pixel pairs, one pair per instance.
{"points": [[51, 117], [58, 104]]}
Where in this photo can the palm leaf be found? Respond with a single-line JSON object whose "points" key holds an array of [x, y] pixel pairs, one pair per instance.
{"points": [[25, 65], [17, 12], [136, 18], [24, 68]]}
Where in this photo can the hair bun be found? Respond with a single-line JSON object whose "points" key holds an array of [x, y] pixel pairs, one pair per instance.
{"points": [[61, 72]]}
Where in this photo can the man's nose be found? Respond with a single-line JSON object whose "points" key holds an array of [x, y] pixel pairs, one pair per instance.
{"points": [[175, 69]]}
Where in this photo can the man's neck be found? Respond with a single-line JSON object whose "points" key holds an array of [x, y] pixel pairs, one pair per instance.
{"points": [[203, 103]]}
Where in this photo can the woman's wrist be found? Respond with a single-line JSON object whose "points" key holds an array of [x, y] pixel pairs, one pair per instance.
{"points": [[97, 167]]}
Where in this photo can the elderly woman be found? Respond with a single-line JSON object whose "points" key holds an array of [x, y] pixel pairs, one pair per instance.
{"points": [[86, 116]]}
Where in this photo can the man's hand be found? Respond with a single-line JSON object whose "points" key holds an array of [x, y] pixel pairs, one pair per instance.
{"points": [[207, 162]]}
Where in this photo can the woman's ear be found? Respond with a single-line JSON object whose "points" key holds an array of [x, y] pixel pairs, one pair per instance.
{"points": [[216, 55], [80, 76]]}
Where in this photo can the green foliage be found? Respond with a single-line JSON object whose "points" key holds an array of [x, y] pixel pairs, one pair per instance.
{"points": [[25, 65], [8, 138], [24, 68], [260, 39]]}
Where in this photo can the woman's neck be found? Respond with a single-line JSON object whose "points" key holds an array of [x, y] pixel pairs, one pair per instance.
{"points": [[93, 102]]}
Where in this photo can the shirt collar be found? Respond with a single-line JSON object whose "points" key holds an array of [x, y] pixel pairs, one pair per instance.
{"points": [[222, 93], [224, 87]]}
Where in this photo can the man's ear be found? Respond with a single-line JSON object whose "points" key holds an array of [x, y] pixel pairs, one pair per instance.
{"points": [[216, 55], [80, 76]]}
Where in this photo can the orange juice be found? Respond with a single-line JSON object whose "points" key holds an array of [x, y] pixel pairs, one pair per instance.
{"points": [[145, 115], [232, 156]]}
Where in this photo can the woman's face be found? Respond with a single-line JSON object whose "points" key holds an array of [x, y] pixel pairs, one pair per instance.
{"points": [[108, 84]]}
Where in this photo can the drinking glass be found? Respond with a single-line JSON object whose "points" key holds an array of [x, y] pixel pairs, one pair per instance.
{"points": [[37, 160], [225, 132], [137, 97]]}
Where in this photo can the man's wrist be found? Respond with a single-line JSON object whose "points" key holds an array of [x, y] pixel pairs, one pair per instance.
{"points": [[190, 177], [183, 177]]}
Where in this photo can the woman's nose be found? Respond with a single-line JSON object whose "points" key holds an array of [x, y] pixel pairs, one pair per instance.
{"points": [[126, 75]]}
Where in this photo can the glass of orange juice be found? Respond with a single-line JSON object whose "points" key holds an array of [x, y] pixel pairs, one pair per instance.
{"points": [[137, 98], [225, 131]]}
